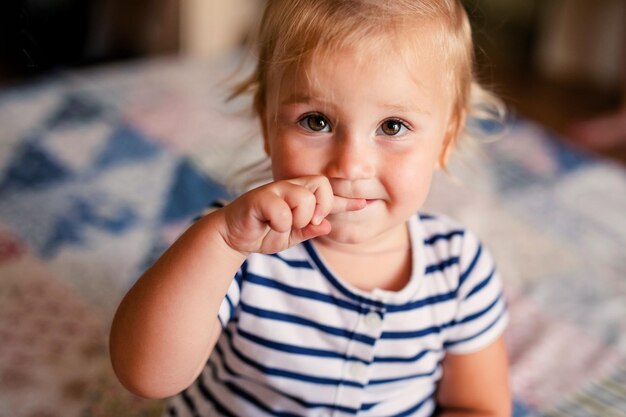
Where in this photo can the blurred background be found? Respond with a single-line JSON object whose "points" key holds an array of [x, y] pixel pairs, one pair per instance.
{"points": [[559, 62]]}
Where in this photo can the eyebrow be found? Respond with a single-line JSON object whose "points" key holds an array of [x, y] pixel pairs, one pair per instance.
{"points": [[403, 108], [298, 98]]}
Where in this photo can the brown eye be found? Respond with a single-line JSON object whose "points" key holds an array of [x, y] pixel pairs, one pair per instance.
{"points": [[315, 123], [391, 127]]}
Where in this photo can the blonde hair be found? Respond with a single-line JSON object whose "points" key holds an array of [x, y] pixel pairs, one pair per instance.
{"points": [[293, 31]]}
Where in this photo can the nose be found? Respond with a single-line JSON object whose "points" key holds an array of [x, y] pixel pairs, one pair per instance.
{"points": [[352, 158]]}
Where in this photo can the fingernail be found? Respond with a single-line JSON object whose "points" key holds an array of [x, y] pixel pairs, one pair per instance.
{"points": [[359, 204], [317, 220]]}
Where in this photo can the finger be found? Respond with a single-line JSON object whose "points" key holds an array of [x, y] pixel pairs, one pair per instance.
{"points": [[274, 210], [311, 231], [323, 192], [343, 204], [302, 203]]}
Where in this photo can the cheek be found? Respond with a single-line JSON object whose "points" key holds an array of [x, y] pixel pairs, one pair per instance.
{"points": [[288, 162], [280, 169], [409, 178]]}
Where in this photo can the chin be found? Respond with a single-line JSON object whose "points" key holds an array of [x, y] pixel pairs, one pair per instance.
{"points": [[348, 235]]}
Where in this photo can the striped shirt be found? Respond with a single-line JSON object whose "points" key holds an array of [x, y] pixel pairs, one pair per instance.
{"points": [[297, 340]]}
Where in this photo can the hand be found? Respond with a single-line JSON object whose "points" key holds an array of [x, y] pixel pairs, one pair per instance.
{"points": [[282, 214]]}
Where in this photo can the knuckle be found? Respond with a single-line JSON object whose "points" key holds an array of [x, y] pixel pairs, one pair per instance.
{"points": [[282, 214], [308, 198]]}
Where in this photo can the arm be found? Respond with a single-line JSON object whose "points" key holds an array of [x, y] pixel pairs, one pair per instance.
{"points": [[476, 384], [166, 326]]}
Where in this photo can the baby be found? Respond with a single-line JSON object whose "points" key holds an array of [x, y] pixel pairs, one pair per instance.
{"points": [[325, 292]]}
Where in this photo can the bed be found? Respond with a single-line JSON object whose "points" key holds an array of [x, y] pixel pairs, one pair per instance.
{"points": [[100, 169]]}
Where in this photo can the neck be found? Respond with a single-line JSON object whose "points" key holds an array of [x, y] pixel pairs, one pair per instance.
{"points": [[396, 241], [355, 250], [383, 263]]}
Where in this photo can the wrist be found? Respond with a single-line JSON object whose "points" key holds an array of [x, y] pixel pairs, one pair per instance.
{"points": [[216, 221]]}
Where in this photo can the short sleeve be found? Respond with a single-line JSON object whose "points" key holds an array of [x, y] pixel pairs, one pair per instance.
{"points": [[481, 315], [232, 297]]}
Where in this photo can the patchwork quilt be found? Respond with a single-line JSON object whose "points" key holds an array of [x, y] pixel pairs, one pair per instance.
{"points": [[101, 169]]}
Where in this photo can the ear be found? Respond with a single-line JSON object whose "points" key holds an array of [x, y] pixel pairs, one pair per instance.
{"points": [[455, 125]]}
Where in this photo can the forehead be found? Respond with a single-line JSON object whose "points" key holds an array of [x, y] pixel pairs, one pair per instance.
{"points": [[413, 47], [412, 55]]}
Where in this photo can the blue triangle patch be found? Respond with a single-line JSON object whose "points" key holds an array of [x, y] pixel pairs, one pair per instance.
{"points": [[126, 145], [66, 231], [69, 228], [568, 158], [32, 168], [75, 108], [520, 410], [190, 193]]}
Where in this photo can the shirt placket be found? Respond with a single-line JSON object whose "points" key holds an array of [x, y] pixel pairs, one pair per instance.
{"points": [[358, 371]]}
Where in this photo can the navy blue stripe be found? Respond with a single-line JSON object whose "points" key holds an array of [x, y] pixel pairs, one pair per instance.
{"points": [[442, 265], [299, 350], [424, 216], [293, 263], [335, 283], [470, 268], [416, 333], [481, 285], [390, 307], [368, 406], [272, 315], [400, 359], [456, 342], [296, 350], [482, 312], [435, 299], [232, 372], [189, 403], [241, 393], [297, 400], [231, 307], [416, 407], [289, 374], [301, 292], [365, 301], [313, 295], [447, 236], [404, 378], [204, 390], [241, 274]]}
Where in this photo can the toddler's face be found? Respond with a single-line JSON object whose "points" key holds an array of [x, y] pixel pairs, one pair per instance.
{"points": [[373, 125]]}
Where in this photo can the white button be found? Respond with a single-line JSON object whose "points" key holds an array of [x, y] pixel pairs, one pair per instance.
{"points": [[373, 320], [358, 370]]}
